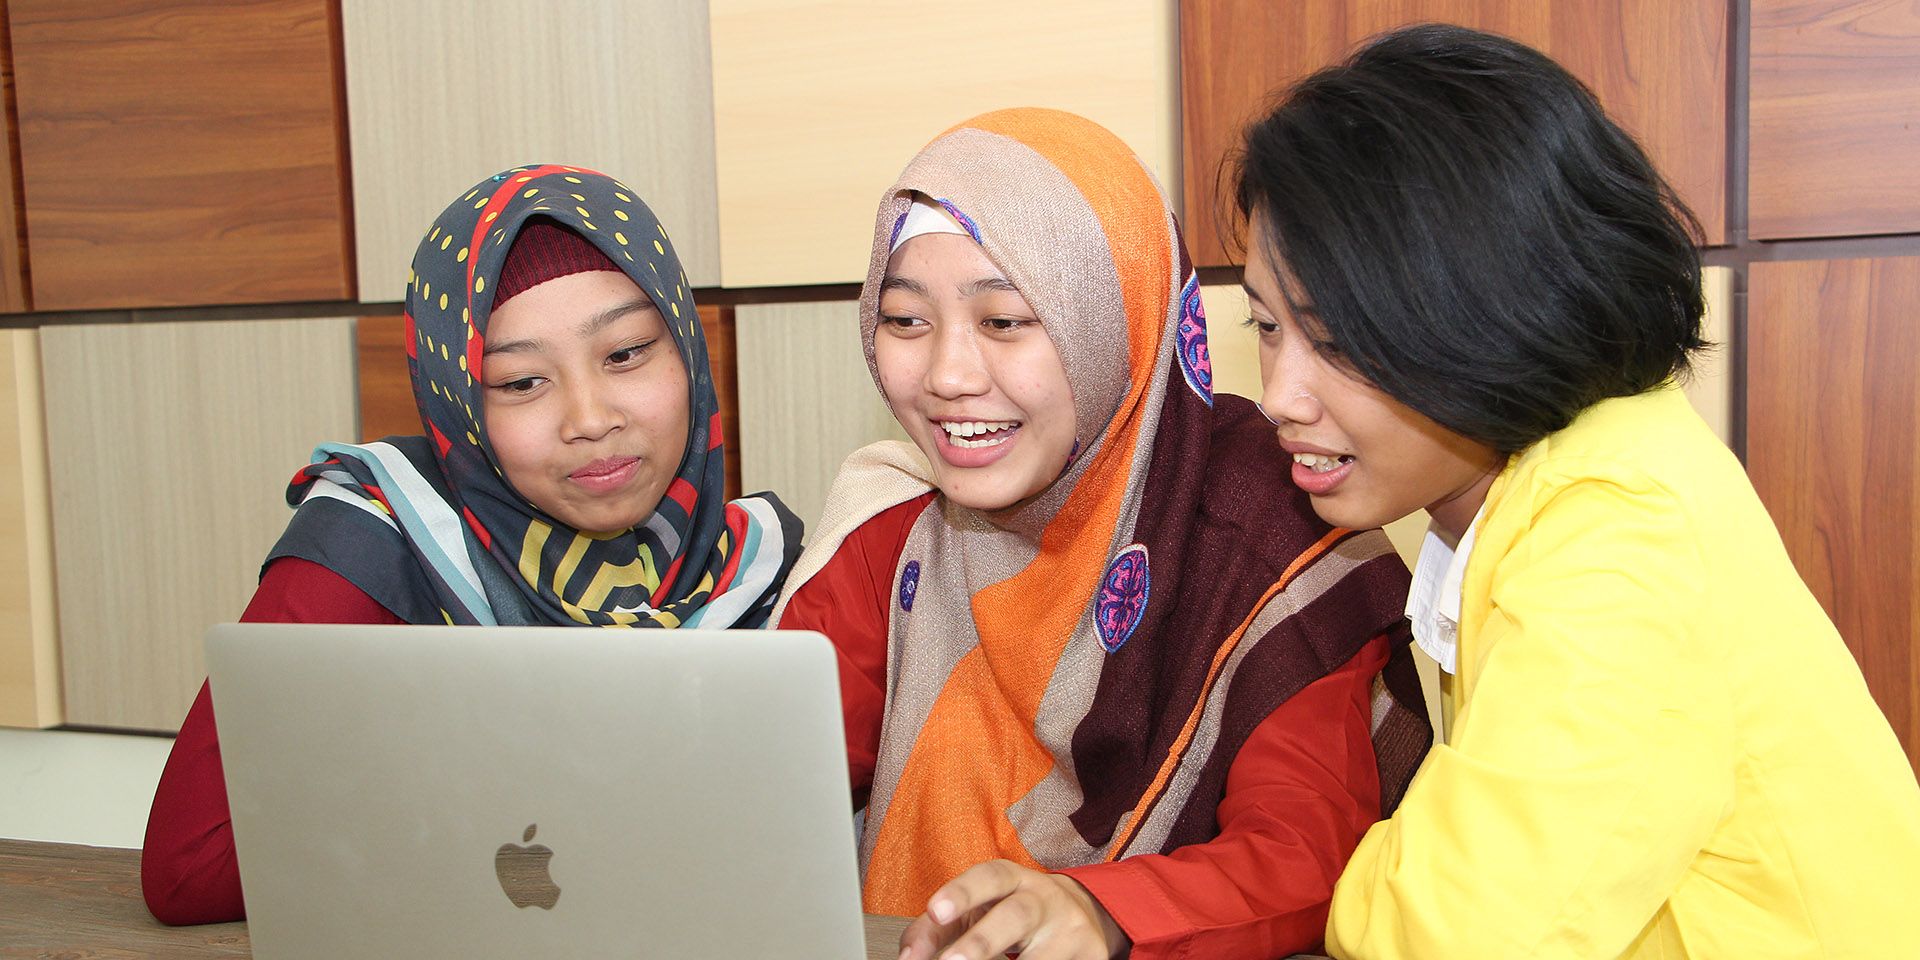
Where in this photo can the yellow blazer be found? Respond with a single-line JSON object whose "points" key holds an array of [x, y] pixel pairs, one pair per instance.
{"points": [[1661, 746]]}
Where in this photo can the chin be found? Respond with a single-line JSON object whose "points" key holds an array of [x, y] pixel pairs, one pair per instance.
{"points": [[1349, 515]]}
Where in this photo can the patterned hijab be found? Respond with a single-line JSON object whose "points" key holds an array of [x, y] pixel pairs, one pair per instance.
{"points": [[429, 527], [1069, 681]]}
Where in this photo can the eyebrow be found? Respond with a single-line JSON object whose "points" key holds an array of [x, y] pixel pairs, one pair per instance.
{"points": [[1307, 309], [594, 324], [970, 289]]}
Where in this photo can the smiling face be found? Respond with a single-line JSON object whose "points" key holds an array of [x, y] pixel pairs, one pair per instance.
{"points": [[1363, 457], [971, 374], [585, 400]]}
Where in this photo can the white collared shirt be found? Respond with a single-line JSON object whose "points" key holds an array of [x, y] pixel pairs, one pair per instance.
{"points": [[1433, 604]]}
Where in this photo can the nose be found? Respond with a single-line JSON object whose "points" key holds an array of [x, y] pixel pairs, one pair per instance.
{"points": [[1286, 389], [957, 368], [588, 414]]}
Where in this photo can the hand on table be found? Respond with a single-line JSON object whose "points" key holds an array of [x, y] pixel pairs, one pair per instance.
{"points": [[999, 906]]}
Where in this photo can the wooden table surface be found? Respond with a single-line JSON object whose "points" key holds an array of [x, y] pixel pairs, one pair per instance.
{"points": [[72, 902]]}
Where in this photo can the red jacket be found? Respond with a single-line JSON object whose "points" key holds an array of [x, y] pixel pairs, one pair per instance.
{"points": [[187, 870], [1300, 793]]}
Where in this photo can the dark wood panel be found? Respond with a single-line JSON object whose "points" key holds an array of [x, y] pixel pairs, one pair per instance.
{"points": [[181, 153], [1835, 112], [1659, 67], [14, 296], [386, 396], [717, 323], [1833, 357]]}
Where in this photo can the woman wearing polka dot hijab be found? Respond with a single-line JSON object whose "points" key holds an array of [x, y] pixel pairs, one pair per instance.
{"points": [[570, 473]]}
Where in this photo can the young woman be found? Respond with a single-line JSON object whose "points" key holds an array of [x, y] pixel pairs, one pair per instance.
{"points": [[1107, 682], [1474, 295], [571, 474]]}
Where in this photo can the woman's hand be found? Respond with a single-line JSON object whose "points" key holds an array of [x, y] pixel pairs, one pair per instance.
{"points": [[999, 906]]}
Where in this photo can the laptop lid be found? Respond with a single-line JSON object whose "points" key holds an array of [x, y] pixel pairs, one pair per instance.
{"points": [[527, 791]]}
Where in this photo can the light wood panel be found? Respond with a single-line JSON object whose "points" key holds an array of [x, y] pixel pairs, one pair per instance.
{"points": [[1710, 387], [1233, 347], [444, 92], [1658, 66], [818, 105], [387, 407], [806, 400], [169, 449], [1835, 113], [14, 293], [29, 651], [1833, 450], [180, 152]]}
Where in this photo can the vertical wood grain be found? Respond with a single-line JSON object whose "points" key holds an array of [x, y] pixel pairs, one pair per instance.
{"points": [[444, 92], [806, 400], [1658, 66], [717, 324], [384, 391], [818, 105], [1710, 387], [1836, 118], [1832, 447], [169, 450], [29, 642], [176, 152], [14, 290]]}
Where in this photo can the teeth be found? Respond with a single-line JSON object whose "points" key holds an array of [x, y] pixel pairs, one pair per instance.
{"points": [[974, 428], [1316, 462]]}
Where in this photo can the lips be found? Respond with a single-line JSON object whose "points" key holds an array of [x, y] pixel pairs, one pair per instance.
{"points": [[606, 474], [1317, 470], [974, 443]]}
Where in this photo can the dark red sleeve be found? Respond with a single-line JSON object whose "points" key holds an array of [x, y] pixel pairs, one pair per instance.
{"points": [[1301, 792], [849, 600], [187, 869]]}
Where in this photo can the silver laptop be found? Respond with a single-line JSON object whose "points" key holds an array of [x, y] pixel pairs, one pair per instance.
{"points": [[522, 792]]}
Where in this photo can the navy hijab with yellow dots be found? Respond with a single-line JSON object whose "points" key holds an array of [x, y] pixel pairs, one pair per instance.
{"points": [[429, 527]]}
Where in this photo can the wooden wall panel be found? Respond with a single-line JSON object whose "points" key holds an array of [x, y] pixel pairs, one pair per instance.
{"points": [[384, 391], [1835, 113], [1233, 347], [818, 106], [14, 293], [180, 153], [723, 356], [1659, 67], [169, 488], [444, 92], [1710, 387], [29, 650], [386, 397], [1832, 447], [806, 400]]}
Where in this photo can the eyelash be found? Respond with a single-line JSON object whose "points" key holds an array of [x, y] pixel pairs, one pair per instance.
{"points": [[638, 350]]}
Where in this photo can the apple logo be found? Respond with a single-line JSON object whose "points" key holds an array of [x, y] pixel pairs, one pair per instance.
{"points": [[523, 873]]}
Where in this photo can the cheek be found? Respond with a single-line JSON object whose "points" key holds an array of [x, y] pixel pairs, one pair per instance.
{"points": [[902, 369], [514, 433]]}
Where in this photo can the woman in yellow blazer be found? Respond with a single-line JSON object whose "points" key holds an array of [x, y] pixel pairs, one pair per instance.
{"points": [[1474, 295]]}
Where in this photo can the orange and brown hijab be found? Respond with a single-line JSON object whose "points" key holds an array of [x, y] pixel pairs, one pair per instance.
{"points": [[1069, 681]]}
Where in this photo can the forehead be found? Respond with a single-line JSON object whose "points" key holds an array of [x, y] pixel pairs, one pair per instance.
{"points": [[935, 256], [564, 305]]}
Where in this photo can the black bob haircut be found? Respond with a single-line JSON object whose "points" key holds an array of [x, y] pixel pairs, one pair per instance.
{"points": [[1470, 233]]}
